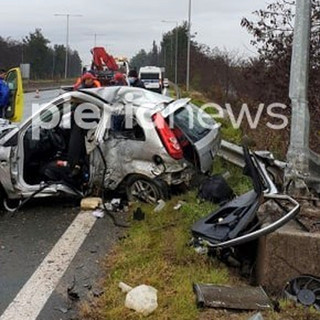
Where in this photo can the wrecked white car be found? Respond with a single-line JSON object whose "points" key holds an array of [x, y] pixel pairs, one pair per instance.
{"points": [[129, 139]]}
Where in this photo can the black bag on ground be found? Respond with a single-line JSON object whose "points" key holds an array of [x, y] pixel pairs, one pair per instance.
{"points": [[215, 189]]}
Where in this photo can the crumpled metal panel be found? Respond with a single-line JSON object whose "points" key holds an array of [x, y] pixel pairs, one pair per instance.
{"points": [[241, 298], [5, 155]]}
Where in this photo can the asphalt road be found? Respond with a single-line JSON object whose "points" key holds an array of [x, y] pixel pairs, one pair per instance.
{"points": [[41, 255], [32, 98], [32, 283], [25, 241]]}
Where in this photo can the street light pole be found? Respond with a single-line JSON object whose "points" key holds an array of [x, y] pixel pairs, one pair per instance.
{"points": [[188, 49], [299, 153], [67, 38], [95, 37], [176, 53]]}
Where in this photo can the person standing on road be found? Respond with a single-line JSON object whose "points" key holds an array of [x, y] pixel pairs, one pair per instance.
{"points": [[119, 79], [4, 94], [88, 80], [134, 80]]}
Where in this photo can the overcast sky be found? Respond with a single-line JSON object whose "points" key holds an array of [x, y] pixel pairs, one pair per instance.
{"points": [[126, 26]]}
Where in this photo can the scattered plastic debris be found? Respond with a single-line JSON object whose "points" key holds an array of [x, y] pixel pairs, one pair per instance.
{"points": [[160, 206], [108, 206], [90, 203], [98, 213], [116, 202], [97, 293], [257, 316], [178, 205], [216, 190], [72, 294], [124, 287], [138, 214], [241, 298], [142, 299], [62, 310], [235, 223], [304, 290], [201, 250], [116, 205]]}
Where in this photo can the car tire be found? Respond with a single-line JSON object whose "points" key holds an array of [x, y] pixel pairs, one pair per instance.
{"points": [[144, 189]]}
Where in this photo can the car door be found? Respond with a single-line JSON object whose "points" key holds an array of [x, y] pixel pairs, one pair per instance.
{"points": [[14, 111], [8, 145], [200, 129]]}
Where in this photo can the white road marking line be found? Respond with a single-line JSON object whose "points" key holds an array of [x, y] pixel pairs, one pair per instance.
{"points": [[32, 297]]}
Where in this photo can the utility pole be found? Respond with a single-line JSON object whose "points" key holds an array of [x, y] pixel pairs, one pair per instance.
{"points": [[188, 49], [68, 15], [299, 154]]}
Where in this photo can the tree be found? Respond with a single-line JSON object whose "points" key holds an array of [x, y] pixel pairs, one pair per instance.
{"points": [[37, 53], [272, 31], [154, 55], [11, 53], [168, 51], [139, 60]]}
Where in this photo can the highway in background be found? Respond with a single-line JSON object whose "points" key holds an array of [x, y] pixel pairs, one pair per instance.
{"points": [[37, 99]]}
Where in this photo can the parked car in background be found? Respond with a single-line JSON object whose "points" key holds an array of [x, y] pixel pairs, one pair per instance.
{"points": [[131, 148], [152, 78]]}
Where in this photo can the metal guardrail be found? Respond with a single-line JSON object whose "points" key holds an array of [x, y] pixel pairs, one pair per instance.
{"points": [[232, 153], [176, 89]]}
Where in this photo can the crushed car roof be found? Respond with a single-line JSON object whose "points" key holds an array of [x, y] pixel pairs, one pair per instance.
{"points": [[130, 95]]}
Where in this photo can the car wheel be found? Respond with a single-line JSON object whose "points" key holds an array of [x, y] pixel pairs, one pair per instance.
{"points": [[144, 189]]}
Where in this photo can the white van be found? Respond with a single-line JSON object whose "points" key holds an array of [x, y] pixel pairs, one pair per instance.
{"points": [[152, 78]]}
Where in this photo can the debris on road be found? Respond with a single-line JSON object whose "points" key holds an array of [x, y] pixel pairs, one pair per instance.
{"points": [[99, 213], [241, 298], [124, 287], [73, 295], [116, 205], [304, 290], [215, 189], [178, 205], [62, 309], [138, 214], [142, 299], [97, 292], [90, 203], [160, 206], [257, 316], [237, 222], [116, 202]]}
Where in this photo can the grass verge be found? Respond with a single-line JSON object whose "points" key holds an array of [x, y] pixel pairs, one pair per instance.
{"points": [[156, 252]]}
